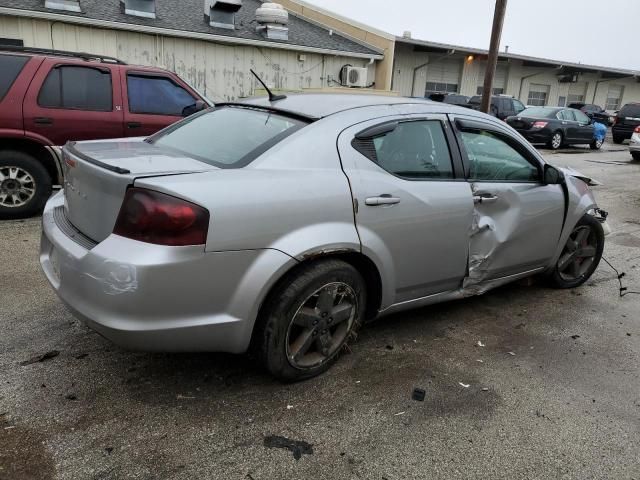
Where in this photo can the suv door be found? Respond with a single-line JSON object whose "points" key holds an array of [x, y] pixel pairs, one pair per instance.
{"points": [[508, 110], [70, 100], [154, 101], [413, 206], [517, 219]]}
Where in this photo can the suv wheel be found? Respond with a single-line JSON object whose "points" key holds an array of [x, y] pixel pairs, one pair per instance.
{"points": [[310, 318], [618, 140], [636, 156], [25, 185]]}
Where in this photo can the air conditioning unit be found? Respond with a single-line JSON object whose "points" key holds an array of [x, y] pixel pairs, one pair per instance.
{"points": [[356, 77]]}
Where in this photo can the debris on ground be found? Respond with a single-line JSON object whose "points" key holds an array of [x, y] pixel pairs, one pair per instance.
{"points": [[464, 385], [389, 347], [485, 389], [418, 394], [41, 358], [71, 396], [480, 361], [298, 448], [480, 344], [81, 356], [289, 407], [513, 354], [575, 337], [399, 413]]}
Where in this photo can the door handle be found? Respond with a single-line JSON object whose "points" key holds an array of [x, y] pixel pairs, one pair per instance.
{"points": [[485, 198], [43, 121], [384, 199], [134, 124]]}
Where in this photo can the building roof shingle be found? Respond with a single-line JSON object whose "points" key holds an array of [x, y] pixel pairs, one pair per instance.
{"points": [[188, 16]]}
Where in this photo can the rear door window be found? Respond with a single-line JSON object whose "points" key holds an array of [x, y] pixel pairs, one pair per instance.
{"points": [[77, 88], [581, 117], [567, 115], [414, 150], [228, 137], [155, 95], [10, 66]]}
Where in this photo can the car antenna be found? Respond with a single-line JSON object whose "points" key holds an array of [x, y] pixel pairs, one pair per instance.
{"points": [[272, 97]]}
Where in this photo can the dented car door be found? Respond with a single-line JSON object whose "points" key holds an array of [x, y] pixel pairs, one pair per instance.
{"points": [[517, 219]]}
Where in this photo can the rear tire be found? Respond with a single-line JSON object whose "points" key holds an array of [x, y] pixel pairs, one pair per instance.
{"points": [[618, 140], [25, 185], [297, 336], [580, 256], [636, 156], [556, 141], [596, 144]]}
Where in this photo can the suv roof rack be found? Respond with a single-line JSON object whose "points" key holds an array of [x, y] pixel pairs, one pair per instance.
{"points": [[61, 53]]}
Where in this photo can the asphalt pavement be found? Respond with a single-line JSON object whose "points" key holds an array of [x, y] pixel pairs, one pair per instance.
{"points": [[523, 382]]}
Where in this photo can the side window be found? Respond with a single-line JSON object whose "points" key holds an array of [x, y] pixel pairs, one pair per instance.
{"points": [[77, 88], [10, 66], [415, 150], [518, 105], [491, 158], [567, 115], [157, 96], [581, 117]]}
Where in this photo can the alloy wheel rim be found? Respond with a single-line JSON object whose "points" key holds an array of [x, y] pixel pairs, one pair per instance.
{"points": [[579, 254], [556, 140], [17, 187], [321, 325]]}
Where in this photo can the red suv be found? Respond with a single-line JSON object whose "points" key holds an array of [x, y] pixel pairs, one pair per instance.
{"points": [[50, 97]]}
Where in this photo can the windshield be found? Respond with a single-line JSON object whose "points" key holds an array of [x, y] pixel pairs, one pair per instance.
{"points": [[228, 137], [539, 112]]}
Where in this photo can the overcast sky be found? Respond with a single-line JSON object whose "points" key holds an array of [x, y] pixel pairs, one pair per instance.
{"points": [[597, 32]]}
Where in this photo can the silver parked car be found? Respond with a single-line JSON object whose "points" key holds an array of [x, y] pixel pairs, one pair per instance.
{"points": [[284, 225]]}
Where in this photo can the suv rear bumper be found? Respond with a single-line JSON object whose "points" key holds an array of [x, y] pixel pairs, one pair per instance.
{"points": [[156, 298], [623, 131]]}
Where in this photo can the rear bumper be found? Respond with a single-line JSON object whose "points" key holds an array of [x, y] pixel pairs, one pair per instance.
{"points": [[634, 144], [623, 131], [155, 298]]}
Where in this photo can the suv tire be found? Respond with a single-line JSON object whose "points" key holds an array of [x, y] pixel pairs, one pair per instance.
{"points": [[25, 185], [636, 156], [618, 140], [297, 336]]}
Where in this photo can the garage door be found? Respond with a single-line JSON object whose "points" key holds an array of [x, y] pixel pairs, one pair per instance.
{"points": [[444, 76], [499, 81], [577, 92], [538, 95]]}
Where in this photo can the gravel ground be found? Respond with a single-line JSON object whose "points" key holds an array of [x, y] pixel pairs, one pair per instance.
{"points": [[554, 393]]}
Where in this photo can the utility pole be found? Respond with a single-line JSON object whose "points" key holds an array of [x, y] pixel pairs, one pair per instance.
{"points": [[494, 50]]}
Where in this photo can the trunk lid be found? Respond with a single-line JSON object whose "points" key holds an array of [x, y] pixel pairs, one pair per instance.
{"points": [[97, 175], [522, 123]]}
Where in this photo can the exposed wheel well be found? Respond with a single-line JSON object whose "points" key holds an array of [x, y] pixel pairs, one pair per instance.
{"points": [[36, 150], [360, 262]]}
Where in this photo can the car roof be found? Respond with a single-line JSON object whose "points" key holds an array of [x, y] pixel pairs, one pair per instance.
{"points": [[320, 105]]}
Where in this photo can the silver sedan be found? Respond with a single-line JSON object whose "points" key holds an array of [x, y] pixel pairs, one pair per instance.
{"points": [[283, 226]]}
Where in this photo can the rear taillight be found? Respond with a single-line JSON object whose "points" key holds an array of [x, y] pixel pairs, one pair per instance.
{"points": [[616, 120], [154, 217], [637, 130], [540, 124]]}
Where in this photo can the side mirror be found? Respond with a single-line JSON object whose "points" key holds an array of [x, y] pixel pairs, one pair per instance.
{"points": [[194, 108], [552, 176]]}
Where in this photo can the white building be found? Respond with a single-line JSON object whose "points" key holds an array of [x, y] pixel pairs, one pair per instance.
{"points": [[422, 67]]}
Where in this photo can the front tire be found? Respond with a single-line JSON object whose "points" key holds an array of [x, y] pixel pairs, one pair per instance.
{"points": [[25, 185], [580, 256], [556, 141], [309, 318], [596, 144]]}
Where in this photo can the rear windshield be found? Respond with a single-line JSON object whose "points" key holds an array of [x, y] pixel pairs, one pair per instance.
{"points": [[228, 137], [539, 112], [630, 110], [477, 99], [10, 66]]}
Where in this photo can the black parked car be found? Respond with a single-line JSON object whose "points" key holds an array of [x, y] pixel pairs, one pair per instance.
{"points": [[450, 98], [502, 106], [594, 112], [626, 121], [555, 127]]}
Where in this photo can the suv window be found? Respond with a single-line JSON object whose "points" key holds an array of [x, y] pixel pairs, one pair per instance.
{"points": [[10, 66], [417, 149], [630, 110], [491, 158], [77, 88], [157, 96], [228, 137], [519, 106]]}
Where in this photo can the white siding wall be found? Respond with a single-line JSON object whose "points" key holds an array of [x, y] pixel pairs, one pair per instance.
{"points": [[406, 60], [220, 71]]}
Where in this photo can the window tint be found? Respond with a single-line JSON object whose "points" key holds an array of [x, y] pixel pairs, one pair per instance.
{"points": [[519, 106], [567, 115], [630, 110], [10, 66], [539, 112], [228, 137], [77, 88], [157, 96], [493, 159], [414, 150]]}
